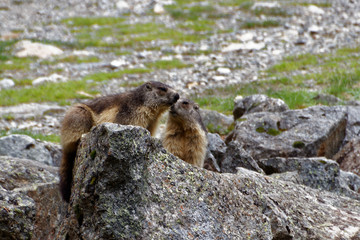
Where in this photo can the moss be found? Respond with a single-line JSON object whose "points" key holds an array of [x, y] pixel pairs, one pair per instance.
{"points": [[273, 132], [260, 130], [298, 144], [93, 154]]}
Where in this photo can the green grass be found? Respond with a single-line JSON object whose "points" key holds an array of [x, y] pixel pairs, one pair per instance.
{"points": [[276, 11], [293, 63], [50, 138], [167, 64], [86, 21]]}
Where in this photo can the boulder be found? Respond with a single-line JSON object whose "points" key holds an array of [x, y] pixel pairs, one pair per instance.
{"points": [[235, 156], [311, 132], [126, 186], [29, 199], [318, 173], [348, 157], [26, 48], [23, 146], [215, 152], [257, 103], [353, 123], [216, 122]]}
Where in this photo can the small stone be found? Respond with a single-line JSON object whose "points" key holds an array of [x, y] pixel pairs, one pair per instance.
{"points": [[6, 83], [123, 6], [118, 63], [265, 5], [159, 9], [243, 46], [27, 48], [301, 41], [219, 78], [246, 37], [223, 71], [313, 29], [315, 10], [52, 78]]}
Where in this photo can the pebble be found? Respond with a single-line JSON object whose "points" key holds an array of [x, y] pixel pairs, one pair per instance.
{"points": [[223, 71], [26, 48], [6, 83], [315, 10]]}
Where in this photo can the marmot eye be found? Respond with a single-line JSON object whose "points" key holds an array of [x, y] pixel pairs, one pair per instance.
{"points": [[162, 89], [185, 102]]}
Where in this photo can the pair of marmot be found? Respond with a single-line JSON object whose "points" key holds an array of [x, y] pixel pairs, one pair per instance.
{"points": [[185, 134]]}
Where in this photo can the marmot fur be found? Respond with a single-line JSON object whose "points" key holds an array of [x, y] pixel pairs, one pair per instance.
{"points": [[185, 134], [142, 106]]}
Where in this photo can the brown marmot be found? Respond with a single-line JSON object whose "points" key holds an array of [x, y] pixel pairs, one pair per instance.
{"points": [[185, 134], [142, 106]]}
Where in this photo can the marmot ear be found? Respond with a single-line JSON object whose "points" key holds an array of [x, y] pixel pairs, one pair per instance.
{"points": [[148, 86]]}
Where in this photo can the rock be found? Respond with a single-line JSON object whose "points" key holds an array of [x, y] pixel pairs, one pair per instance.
{"points": [[246, 37], [30, 110], [216, 122], [216, 150], [353, 123], [126, 186], [219, 78], [243, 46], [223, 71], [315, 10], [318, 173], [118, 63], [314, 29], [311, 132], [53, 78], [210, 162], [159, 9], [328, 99], [123, 7], [26, 48], [6, 83], [29, 199], [22, 146], [235, 157], [258, 103], [348, 157], [265, 5]]}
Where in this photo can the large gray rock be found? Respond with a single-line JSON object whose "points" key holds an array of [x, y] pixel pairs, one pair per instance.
{"points": [[258, 103], [319, 173], [235, 156], [23, 146], [30, 203], [311, 132], [348, 157], [215, 152], [216, 122], [126, 186], [353, 123]]}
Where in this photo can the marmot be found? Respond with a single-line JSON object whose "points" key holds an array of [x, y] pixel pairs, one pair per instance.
{"points": [[185, 134], [142, 106]]}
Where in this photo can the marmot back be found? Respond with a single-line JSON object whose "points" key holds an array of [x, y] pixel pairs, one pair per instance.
{"points": [[185, 134], [142, 106]]}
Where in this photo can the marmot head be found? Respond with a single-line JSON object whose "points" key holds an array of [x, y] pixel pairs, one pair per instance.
{"points": [[186, 113], [159, 95]]}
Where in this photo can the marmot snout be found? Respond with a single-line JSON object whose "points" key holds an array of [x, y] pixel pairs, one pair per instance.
{"points": [[185, 134]]}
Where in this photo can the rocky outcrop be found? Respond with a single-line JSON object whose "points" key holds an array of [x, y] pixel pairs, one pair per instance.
{"points": [[30, 205], [257, 103], [348, 157], [22, 146], [216, 122], [311, 132], [318, 173], [126, 186]]}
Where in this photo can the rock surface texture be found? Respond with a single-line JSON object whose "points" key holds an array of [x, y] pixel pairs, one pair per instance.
{"points": [[128, 187]]}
